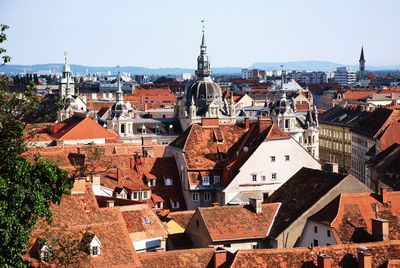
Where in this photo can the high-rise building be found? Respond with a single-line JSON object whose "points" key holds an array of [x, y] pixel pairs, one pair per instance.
{"points": [[345, 76]]}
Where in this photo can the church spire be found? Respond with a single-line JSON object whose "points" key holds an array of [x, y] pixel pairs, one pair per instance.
{"points": [[362, 54], [119, 92], [203, 61]]}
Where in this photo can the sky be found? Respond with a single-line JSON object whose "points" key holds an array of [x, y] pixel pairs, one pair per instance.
{"points": [[167, 33]]}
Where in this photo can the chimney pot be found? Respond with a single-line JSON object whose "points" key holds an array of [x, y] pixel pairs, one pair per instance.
{"points": [[219, 257], [364, 259], [383, 194], [109, 203], [256, 204], [380, 229], [324, 261]]}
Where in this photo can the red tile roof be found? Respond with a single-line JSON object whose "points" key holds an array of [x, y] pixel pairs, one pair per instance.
{"points": [[299, 193], [357, 95], [341, 255], [80, 212], [238, 222], [135, 216], [351, 212], [390, 135], [196, 258], [76, 128], [182, 217]]}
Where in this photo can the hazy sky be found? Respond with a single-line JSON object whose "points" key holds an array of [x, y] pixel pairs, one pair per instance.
{"points": [[167, 33]]}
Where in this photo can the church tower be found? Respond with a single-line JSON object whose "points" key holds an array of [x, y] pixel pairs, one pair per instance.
{"points": [[67, 84], [203, 98], [362, 65]]}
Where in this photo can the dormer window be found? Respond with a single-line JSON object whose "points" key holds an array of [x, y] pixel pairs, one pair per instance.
{"points": [[206, 180], [93, 244], [151, 183], [44, 251], [168, 181], [217, 179]]}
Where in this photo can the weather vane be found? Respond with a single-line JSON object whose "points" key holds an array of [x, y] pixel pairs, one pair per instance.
{"points": [[65, 56], [202, 21]]}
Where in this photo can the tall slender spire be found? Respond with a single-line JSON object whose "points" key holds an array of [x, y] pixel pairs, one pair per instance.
{"points": [[119, 92], [362, 54], [203, 61]]}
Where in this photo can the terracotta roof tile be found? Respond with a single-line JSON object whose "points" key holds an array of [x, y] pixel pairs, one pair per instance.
{"points": [[182, 217], [350, 215], [200, 257], [80, 212], [238, 222], [342, 255], [299, 193]]}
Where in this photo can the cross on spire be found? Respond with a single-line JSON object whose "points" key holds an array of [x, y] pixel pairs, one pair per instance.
{"points": [[65, 56]]}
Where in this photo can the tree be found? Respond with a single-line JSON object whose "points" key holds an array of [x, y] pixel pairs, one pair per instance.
{"points": [[3, 38], [26, 188]]}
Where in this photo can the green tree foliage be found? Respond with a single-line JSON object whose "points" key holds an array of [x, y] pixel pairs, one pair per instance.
{"points": [[26, 188], [3, 38]]}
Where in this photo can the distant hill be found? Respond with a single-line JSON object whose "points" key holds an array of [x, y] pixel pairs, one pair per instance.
{"points": [[314, 65], [12, 68], [291, 65]]}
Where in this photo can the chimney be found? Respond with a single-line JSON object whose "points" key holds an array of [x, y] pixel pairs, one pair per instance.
{"points": [[247, 123], [256, 204], [324, 261], [364, 259], [215, 205], [263, 123], [383, 193], [219, 257], [380, 229], [109, 203], [119, 174]]}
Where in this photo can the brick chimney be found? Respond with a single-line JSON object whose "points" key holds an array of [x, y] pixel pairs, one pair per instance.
{"points": [[263, 123], [256, 204], [247, 123], [380, 229], [109, 203], [383, 194], [219, 257], [324, 261], [364, 259]]}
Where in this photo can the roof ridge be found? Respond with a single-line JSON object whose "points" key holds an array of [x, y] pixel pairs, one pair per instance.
{"points": [[188, 135], [337, 212], [59, 138]]}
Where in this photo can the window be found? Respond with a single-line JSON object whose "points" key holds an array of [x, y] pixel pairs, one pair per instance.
{"points": [[315, 229], [286, 123], [197, 223], [145, 194], [207, 196], [206, 180], [135, 195], [159, 204], [272, 158], [175, 204], [123, 128], [95, 251], [263, 178], [168, 181], [254, 177], [152, 183], [315, 243], [195, 197], [328, 233], [147, 220], [143, 129], [287, 157], [217, 179], [157, 129], [273, 176]]}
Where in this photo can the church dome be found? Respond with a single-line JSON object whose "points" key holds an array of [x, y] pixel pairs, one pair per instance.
{"points": [[118, 109]]}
